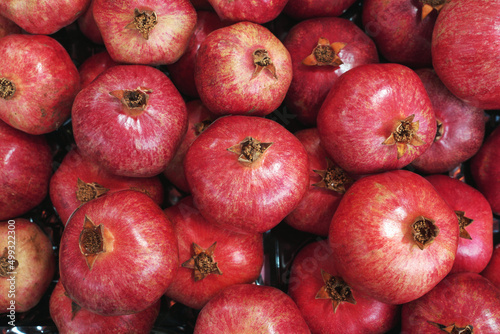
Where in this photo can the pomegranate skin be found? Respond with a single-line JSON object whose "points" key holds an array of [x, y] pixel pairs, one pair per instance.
{"points": [[64, 183], [93, 66], [224, 70], [25, 171], [362, 110], [485, 169], [43, 17], [7, 27], [459, 299], [472, 254], [88, 26], [166, 42], [372, 240], [399, 32], [248, 11], [308, 9], [245, 197], [311, 84], [462, 128], [125, 144], [465, 51], [46, 82], [492, 270], [250, 308]]}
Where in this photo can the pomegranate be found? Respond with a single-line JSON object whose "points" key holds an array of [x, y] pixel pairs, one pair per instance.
{"points": [[309, 9], [93, 66], [246, 10], [492, 270], [88, 26], [7, 27]]}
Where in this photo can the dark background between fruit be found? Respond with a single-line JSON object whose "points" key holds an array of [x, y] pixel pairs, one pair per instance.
{"points": [[280, 244]]}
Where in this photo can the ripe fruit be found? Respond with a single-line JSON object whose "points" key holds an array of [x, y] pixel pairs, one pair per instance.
{"points": [[393, 237]]}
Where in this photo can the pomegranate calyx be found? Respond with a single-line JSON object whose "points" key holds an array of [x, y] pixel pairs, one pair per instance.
{"points": [[325, 54], [249, 150], [144, 21], [135, 101], [88, 191], [335, 289], [202, 262], [333, 178], [424, 231], [262, 60], [405, 134], [7, 88], [463, 222], [439, 130], [201, 126], [429, 5], [7, 264], [453, 329], [91, 241]]}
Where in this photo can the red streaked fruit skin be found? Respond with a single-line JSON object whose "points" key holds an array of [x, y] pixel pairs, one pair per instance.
{"points": [[7, 27], [372, 242], [36, 265], [167, 40], [197, 114], [43, 16], [182, 71], [246, 197], [492, 270], [366, 316], [315, 211], [64, 183], [308, 9], [485, 169], [93, 66], [398, 30], [239, 256], [250, 308], [310, 84], [363, 108], [224, 68], [472, 254], [460, 299], [249, 11], [464, 51], [46, 82], [127, 145], [139, 246], [25, 171], [83, 321], [463, 128], [88, 26]]}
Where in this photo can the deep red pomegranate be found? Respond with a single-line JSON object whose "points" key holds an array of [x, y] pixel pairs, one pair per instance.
{"points": [[38, 83], [464, 51], [460, 128], [327, 302], [118, 254], [69, 317], [250, 308], [27, 266], [88, 26], [485, 169], [322, 49], [25, 170], [475, 221], [129, 120], [79, 180], [182, 71], [248, 11], [460, 303], [492, 270], [93, 66], [199, 118], [327, 184], [44, 16], [152, 32], [376, 117], [393, 236], [399, 31], [210, 258], [309, 9], [242, 69], [246, 173]]}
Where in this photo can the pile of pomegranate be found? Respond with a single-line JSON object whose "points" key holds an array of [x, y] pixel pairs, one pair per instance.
{"points": [[284, 166]]}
